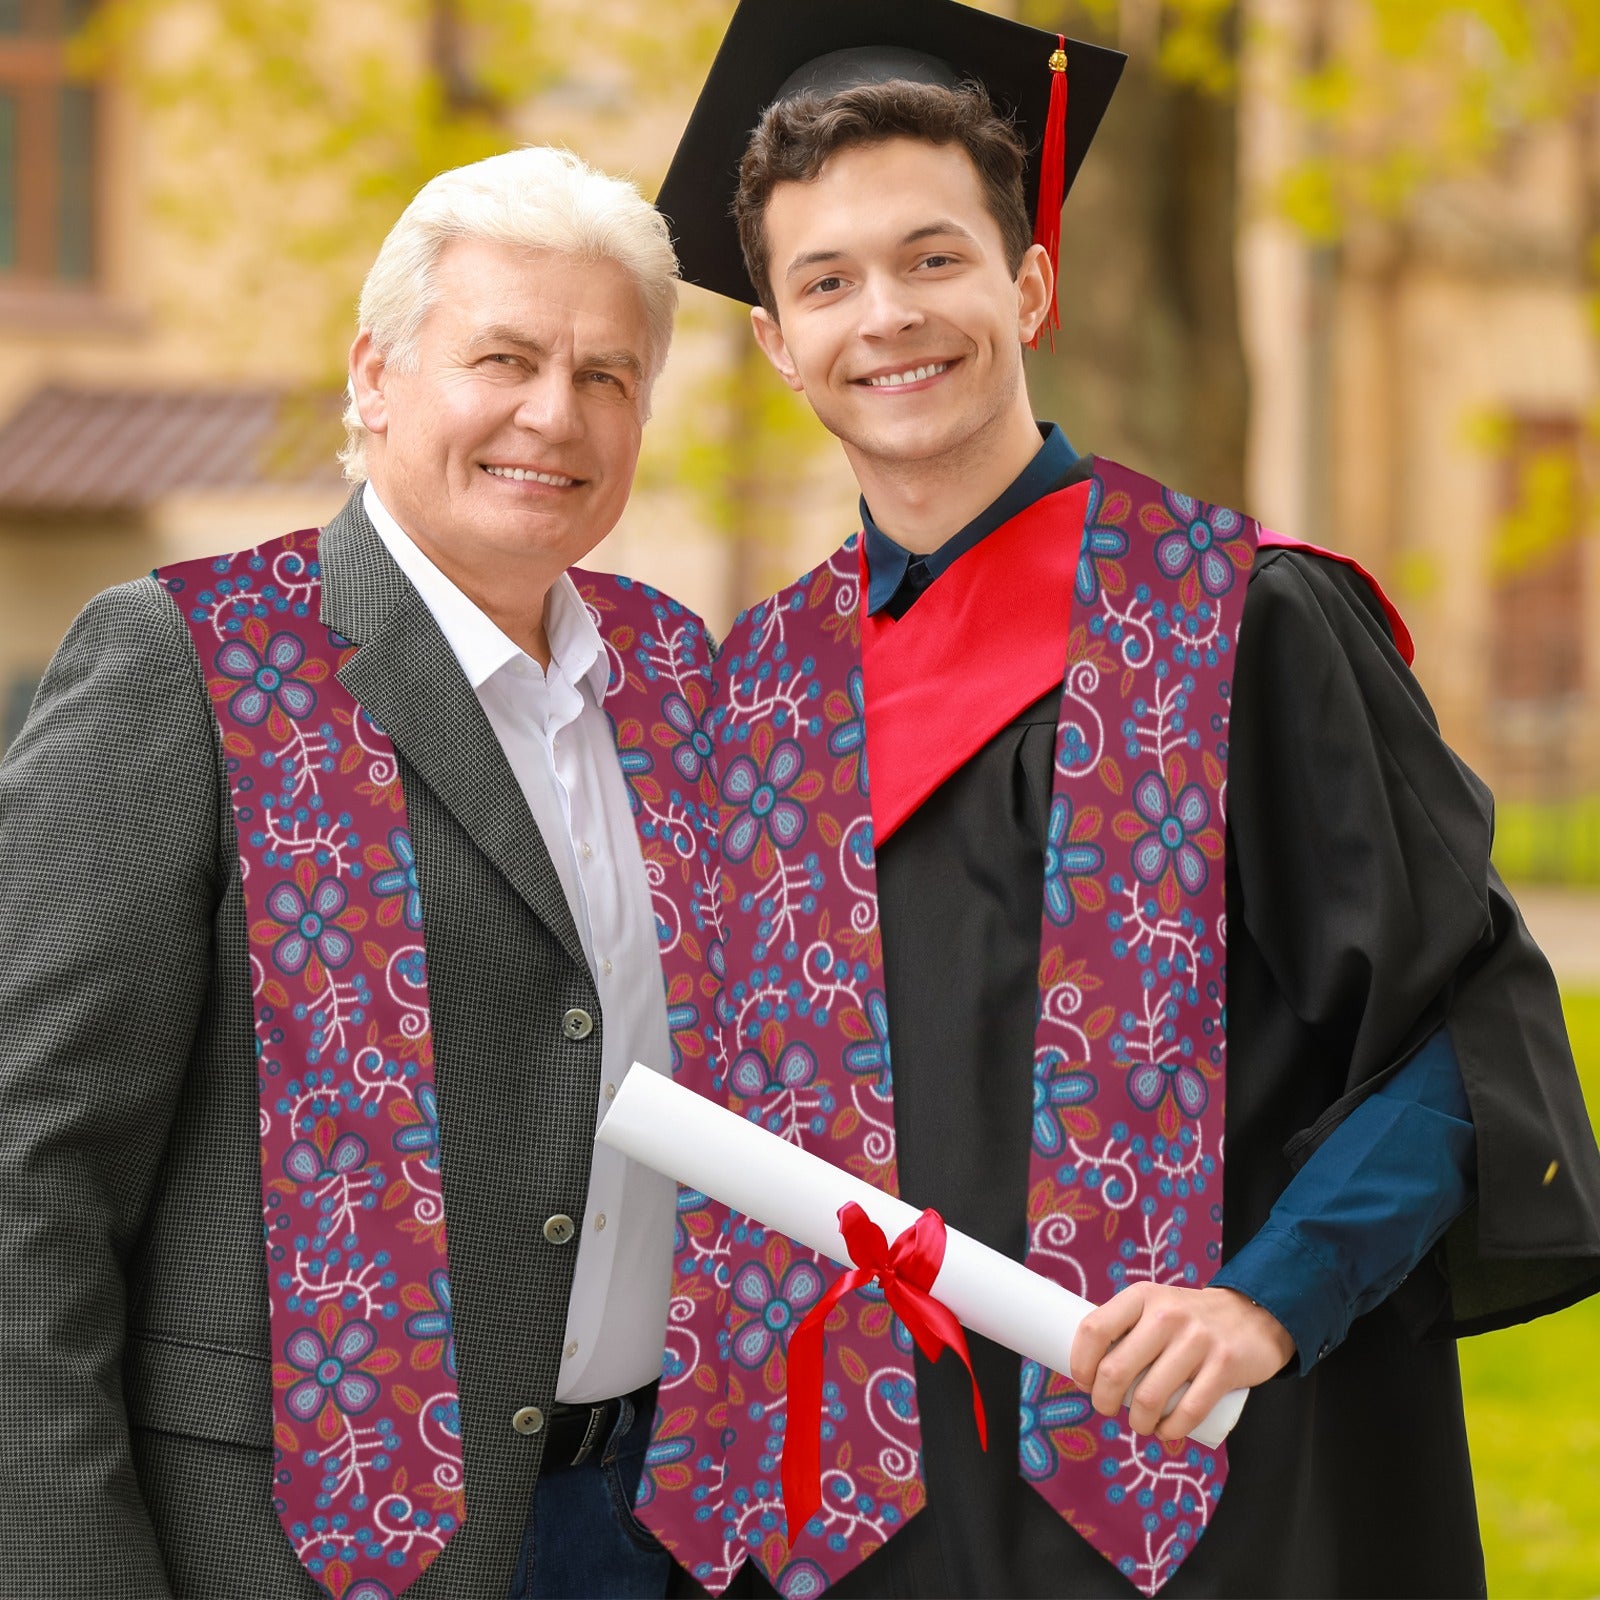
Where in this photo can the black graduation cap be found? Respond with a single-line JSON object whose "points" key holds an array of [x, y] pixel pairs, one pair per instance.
{"points": [[777, 48]]}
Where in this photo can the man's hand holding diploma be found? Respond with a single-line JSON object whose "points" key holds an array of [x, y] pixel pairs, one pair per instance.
{"points": [[719, 1153], [1212, 1339]]}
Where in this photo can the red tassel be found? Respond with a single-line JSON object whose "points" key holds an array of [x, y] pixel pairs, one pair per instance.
{"points": [[1052, 182]]}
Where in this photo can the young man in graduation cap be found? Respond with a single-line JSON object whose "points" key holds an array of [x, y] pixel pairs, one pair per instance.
{"points": [[1013, 787]]}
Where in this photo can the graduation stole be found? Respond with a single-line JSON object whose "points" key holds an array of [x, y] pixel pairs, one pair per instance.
{"points": [[1138, 614], [367, 1459]]}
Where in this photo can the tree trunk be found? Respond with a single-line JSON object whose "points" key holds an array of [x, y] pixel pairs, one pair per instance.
{"points": [[1148, 366]]}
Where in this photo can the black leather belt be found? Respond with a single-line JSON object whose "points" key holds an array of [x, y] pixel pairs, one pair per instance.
{"points": [[574, 1433]]}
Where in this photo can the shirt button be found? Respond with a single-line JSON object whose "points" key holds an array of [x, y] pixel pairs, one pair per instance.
{"points": [[530, 1419], [605, 967], [611, 1091], [571, 1350], [588, 850], [577, 1023], [600, 1222], [560, 1229]]}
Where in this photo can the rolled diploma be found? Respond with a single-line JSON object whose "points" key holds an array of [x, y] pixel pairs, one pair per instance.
{"points": [[706, 1147]]}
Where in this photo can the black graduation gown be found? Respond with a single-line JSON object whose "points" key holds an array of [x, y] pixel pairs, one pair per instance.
{"points": [[1362, 911]]}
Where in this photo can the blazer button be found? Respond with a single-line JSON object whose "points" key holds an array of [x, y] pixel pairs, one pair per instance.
{"points": [[577, 1023], [560, 1229], [530, 1419]]}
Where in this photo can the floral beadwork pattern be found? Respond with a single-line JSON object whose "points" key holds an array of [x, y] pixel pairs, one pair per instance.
{"points": [[1201, 547], [367, 1464], [1127, 1109], [806, 1035], [659, 699], [1050, 1428], [1126, 1181], [367, 1473], [1072, 862]]}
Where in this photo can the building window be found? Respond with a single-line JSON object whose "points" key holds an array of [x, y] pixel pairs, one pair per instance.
{"points": [[48, 137]]}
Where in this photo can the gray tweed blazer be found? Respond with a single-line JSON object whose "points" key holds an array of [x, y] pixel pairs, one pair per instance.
{"points": [[135, 1375]]}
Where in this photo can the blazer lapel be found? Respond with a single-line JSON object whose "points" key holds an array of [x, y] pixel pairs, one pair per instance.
{"points": [[408, 679]]}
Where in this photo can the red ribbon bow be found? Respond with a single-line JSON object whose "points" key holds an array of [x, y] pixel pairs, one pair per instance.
{"points": [[906, 1270]]}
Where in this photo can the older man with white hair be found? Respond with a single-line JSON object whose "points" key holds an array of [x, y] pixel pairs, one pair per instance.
{"points": [[340, 880]]}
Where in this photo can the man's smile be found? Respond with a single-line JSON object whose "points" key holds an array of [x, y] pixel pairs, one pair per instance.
{"points": [[553, 480], [908, 377]]}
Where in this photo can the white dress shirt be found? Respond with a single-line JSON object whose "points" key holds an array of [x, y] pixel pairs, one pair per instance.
{"points": [[559, 743]]}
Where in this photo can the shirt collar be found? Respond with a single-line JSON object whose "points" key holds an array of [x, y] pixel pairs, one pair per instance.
{"points": [[575, 643], [478, 642], [887, 561]]}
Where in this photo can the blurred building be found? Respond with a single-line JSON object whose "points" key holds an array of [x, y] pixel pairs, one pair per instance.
{"points": [[120, 446], [159, 400], [1423, 394]]}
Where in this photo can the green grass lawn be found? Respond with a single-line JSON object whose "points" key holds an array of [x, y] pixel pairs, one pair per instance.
{"points": [[1533, 1414]]}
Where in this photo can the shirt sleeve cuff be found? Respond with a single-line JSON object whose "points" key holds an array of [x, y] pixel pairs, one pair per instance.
{"points": [[1282, 1275]]}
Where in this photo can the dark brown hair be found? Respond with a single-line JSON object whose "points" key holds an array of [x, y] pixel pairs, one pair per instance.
{"points": [[796, 137]]}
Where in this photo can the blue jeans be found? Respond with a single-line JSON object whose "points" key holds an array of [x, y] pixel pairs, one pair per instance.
{"points": [[582, 1540]]}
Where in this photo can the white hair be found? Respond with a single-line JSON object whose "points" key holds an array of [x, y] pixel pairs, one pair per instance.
{"points": [[536, 197]]}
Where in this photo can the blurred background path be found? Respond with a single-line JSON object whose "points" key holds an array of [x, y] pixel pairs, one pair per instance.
{"points": [[1566, 922]]}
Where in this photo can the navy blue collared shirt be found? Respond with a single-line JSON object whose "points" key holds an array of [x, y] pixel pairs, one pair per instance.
{"points": [[896, 577], [1379, 1192]]}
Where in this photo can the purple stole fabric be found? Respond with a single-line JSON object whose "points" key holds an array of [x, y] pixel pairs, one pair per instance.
{"points": [[658, 697], [368, 1478], [1130, 1054], [1126, 1179]]}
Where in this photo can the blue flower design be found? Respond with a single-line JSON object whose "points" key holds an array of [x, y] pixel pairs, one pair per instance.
{"points": [[402, 879], [689, 1202], [694, 746], [1057, 1084], [1040, 1418], [305, 1164], [332, 1374], [869, 1058], [310, 926], [759, 802], [849, 738], [802, 1580], [1151, 1082], [1064, 860], [435, 1323], [1101, 543], [635, 763], [1200, 538], [662, 1453], [1174, 824], [265, 679], [665, 1451], [778, 1307], [755, 1078], [422, 1138]]}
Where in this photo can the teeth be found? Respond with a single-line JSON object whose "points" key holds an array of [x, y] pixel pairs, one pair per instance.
{"points": [[913, 375], [519, 475]]}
